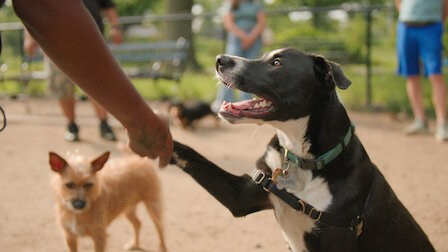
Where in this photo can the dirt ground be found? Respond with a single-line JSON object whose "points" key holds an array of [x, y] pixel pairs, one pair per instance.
{"points": [[416, 168]]}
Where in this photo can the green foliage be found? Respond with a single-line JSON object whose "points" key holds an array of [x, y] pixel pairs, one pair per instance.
{"points": [[137, 7], [7, 13], [354, 37]]}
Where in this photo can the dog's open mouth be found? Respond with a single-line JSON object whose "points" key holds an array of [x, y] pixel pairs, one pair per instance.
{"points": [[256, 108]]}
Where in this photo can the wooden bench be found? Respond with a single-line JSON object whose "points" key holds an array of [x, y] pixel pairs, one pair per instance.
{"points": [[156, 60]]}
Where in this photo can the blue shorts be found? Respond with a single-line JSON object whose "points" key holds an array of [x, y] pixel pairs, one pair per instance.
{"points": [[415, 44]]}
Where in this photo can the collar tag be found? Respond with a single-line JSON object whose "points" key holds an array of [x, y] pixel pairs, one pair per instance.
{"points": [[281, 176]]}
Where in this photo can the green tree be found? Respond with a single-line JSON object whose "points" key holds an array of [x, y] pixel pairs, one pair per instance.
{"points": [[137, 7], [182, 27]]}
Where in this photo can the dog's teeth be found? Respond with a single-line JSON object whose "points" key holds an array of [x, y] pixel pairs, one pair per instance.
{"points": [[230, 106], [257, 105]]}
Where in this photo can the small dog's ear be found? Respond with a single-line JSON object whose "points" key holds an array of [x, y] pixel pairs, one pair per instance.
{"points": [[330, 73], [99, 162], [57, 163]]}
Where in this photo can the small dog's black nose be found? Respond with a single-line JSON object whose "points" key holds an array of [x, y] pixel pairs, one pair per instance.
{"points": [[222, 60], [78, 204]]}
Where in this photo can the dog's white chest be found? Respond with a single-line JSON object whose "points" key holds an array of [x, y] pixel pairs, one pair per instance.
{"points": [[74, 228], [293, 225], [315, 191]]}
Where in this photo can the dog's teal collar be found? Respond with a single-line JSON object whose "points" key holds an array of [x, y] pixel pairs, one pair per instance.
{"points": [[323, 159]]}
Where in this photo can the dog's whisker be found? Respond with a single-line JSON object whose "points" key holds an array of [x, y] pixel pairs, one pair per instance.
{"points": [[252, 135]]}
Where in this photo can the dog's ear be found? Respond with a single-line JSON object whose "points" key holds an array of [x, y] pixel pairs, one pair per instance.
{"points": [[99, 162], [57, 163], [330, 73]]}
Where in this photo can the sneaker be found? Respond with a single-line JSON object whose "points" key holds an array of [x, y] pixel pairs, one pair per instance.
{"points": [[417, 127], [71, 134], [441, 133], [106, 131]]}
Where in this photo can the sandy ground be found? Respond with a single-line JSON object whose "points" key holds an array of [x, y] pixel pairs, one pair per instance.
{"points": [[416, 168]]}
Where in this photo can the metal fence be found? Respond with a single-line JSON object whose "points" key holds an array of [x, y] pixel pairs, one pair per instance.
{"points": [[343, 33]]}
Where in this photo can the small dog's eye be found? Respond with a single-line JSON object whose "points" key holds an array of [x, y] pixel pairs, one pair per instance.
{"points": [[276, 63], [70, 185], [87, 186]]}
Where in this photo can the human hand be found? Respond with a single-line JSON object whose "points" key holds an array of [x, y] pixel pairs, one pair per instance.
{"points": [[30, 46], [247, 42], [116, 37], [151, 137]]}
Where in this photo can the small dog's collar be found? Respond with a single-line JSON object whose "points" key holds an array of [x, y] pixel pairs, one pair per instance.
{"points": [[322, 160]]}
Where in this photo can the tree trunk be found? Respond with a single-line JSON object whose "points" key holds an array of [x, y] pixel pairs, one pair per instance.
{"points": [[182, 28]]}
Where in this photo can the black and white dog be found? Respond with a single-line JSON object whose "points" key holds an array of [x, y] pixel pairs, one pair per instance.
{"points": [[326, 193]]}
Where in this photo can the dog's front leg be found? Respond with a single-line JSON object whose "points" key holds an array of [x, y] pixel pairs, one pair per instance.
{"points": [[240, 194], [99, 240], [72, 241]]}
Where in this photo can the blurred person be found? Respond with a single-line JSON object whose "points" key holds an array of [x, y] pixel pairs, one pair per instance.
{"points": [[63, 88], [419, 37], [67, 34], [244, 21]]}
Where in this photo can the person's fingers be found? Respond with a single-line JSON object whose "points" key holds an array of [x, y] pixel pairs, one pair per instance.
{"points": [[164, 160], [165, 157]]}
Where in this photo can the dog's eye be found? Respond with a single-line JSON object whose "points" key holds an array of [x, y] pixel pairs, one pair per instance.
{"points": [[70, 185], [276, 62], [87, 186]]}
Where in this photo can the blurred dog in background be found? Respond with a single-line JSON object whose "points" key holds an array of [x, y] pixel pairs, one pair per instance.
{"points": [[187, 115]]}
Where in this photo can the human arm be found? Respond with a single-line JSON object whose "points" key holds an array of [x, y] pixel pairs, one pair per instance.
{"points": [[69, 36], [397, 5], [29, 45], [445, 11], [256, 31], [230, 26], [114, 22]]}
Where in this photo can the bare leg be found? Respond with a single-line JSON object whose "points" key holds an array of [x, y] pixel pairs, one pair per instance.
{"points": [[100, 111], [68, 108], [416, 96], [105, 130], [155, 212], [132, 217], [439, 97]]}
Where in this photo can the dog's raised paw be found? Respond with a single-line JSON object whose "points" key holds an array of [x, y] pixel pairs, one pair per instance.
{"points": [[178, 161]]}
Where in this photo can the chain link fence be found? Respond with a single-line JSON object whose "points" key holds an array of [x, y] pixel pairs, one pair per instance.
{"points": [[346, 34]]}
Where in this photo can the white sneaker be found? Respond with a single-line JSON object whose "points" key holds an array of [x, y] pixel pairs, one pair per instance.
{"points": [[441, 133], [417, 127]]}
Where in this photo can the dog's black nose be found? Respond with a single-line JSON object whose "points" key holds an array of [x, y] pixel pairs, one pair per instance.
{"points": [[78, 204], [222, 60]]}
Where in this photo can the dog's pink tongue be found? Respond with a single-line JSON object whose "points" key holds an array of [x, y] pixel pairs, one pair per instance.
{"points": [[239, 105]]}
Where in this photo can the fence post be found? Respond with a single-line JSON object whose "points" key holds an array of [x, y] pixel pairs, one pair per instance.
{"points": [[368, 57]]}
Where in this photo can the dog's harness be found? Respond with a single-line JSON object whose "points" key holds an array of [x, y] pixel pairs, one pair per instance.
{"points": [[301, 206]]}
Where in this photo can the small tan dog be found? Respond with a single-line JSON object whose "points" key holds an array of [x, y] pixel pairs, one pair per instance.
{"points": [[89, 196]]}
